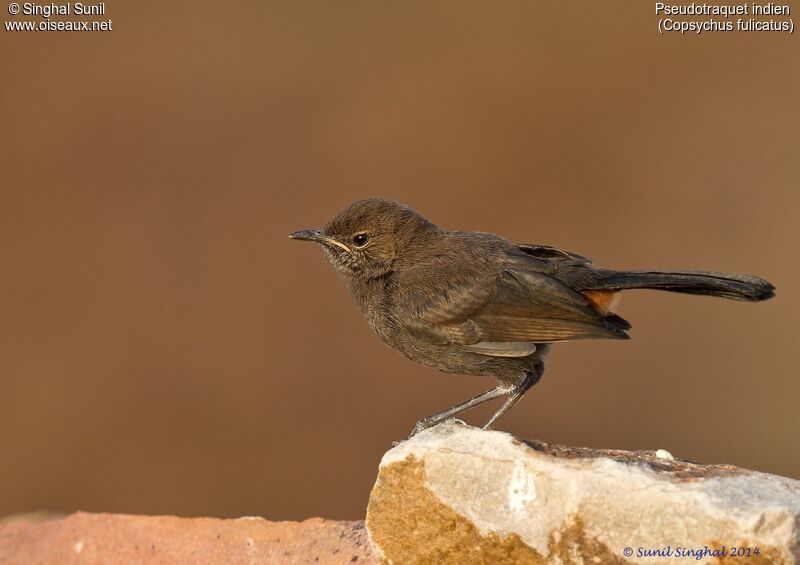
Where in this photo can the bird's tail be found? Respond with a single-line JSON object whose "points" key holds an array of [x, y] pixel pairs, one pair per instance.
{"points": [[726, 285]]}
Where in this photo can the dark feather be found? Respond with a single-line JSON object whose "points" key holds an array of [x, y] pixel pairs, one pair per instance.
{"points": [[726, 285], [510, 305]]}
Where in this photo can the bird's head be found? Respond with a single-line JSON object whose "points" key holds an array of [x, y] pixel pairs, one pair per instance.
{"points": [[366, 238]]}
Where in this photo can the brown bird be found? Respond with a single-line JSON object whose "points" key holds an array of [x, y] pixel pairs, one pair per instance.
{"points": [[474, 303]]}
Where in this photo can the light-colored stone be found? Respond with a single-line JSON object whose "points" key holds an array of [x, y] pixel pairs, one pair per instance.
{"points": [[457, 494], [111, 539]]}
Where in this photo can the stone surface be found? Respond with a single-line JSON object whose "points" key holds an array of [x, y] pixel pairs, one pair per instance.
{"points": [[456, 494], [118, 539]]}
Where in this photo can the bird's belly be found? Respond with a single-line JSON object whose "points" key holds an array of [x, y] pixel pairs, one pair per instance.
{"points": [[451, 358]]}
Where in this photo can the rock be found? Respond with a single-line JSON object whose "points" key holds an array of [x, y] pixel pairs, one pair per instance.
{"points": [[118, 539], [457, 494]]}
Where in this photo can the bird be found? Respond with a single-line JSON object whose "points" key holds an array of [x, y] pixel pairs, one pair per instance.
{"points": [[475, 303]]}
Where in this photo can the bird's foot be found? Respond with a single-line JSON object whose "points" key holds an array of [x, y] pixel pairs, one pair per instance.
{"points": [[426, 423], [423, 424], [430, 422]]}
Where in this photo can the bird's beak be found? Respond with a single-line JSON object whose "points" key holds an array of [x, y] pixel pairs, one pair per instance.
{"points": [[317, 237], [308, 235]]}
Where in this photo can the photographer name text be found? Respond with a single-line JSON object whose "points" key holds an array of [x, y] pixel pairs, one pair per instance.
{"points": [[68, 9]]}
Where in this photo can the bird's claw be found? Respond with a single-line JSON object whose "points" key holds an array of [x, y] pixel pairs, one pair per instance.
{"points": [[426, 423], [423, 424], [429, 422]]}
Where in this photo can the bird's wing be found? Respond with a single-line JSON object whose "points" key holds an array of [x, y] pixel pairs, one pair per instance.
{"points": [[547, 253], [501, 313]]}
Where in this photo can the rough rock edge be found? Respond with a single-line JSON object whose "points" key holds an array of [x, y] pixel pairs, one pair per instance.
{"points": [[726, 482]]}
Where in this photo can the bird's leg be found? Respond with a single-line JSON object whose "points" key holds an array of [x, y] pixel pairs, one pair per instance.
{"points": [[431, 421], [517, 392]]}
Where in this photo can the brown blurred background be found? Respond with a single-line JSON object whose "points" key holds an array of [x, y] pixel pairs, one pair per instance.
{"points": [[164, 348]]}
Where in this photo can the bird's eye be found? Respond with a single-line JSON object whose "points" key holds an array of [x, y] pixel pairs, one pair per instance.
{"points": [[360, 239]]}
